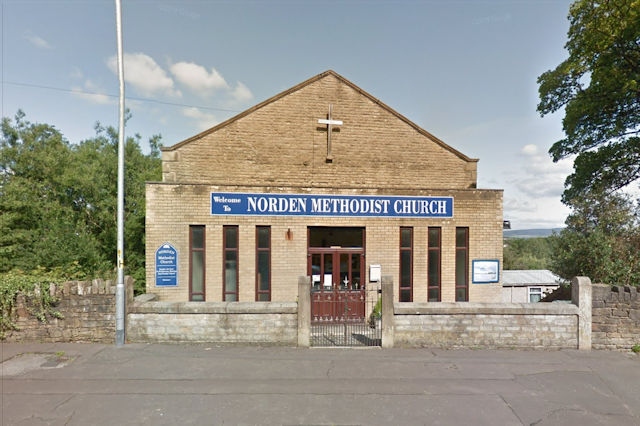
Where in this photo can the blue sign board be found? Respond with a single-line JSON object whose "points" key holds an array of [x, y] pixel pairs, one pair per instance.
{"points": [[166, 265], [234, 203]]}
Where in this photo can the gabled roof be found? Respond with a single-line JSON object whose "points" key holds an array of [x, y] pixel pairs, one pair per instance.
{"points": [[529, 277], [306, 83]]}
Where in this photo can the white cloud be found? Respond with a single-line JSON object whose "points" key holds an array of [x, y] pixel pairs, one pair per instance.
{"points": [[145, 75], [197, 78], [532, 197], [492, 19], [519, 205], [540, 176], [203, 120], [241, 93], [93, 93], [76, 73], [203, 82], [37, 41], [529, 149], [528, 213]]}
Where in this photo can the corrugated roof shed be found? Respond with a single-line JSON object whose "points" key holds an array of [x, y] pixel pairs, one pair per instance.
{"points": [[529, 277]]}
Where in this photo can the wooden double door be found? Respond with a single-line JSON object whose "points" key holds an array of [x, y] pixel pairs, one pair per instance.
{"points": [[337, 284]]}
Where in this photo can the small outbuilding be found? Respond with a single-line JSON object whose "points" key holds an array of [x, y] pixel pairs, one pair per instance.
{"points": [[528, 286]]}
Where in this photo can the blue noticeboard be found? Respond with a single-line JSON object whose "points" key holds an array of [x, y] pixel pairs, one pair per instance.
{"points": [[256, 204], [166, 265]]}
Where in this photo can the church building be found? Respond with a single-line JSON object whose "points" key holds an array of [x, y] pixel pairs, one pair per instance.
{"points": [[322, 180]]}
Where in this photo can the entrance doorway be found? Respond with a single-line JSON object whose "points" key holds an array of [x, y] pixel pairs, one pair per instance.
{"points": [[336, 284], [336, 264]]}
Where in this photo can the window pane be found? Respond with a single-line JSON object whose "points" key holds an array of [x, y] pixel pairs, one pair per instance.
{"points": [[461, 267], [231, 237], [405, 269], [197, 298], [461, 237], [197, 269], [434, 237], [434, 266], [327, 278], [328, 263], [231, 271], [433, 295], [344, 271], [535, 294], [315, 271], [320, 236], [263, 297], [263, 237], [461, 294], [230, 278], [405, 237], [405, 295], [355, 272], [197, 237], [263, 270]]}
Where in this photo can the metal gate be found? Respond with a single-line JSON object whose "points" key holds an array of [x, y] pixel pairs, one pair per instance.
{"points": [[345, 317]]}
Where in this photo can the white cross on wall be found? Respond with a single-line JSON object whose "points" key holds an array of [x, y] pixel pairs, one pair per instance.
{"points": [[330, 123]]}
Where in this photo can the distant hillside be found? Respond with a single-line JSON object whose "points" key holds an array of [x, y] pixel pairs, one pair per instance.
{"points": [[529, 233]]}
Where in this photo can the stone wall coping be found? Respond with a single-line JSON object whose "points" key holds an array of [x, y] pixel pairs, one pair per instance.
{"points": [[215, 308], [144, 298], [471, 308]]}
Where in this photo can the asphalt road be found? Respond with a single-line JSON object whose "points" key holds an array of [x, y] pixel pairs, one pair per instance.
{"points": [[171, 384]]}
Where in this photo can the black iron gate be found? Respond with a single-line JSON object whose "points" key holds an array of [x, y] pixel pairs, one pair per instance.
{"points": [[345, 317]]}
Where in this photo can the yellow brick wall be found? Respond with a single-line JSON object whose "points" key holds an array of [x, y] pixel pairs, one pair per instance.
{"points": [[172, 208], [280, 143]]}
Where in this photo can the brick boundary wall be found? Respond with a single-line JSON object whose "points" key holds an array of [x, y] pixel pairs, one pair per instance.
{"points": [[491, 325], [610, 321], [88, 314], [267, 323], [616, 317], [477, 325]]}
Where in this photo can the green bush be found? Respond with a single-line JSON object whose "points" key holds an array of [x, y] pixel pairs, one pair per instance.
{"points": [[376, 314], [35, 287]]}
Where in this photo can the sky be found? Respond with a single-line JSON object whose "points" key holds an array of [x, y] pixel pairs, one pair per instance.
{"points": [[464, 70]]}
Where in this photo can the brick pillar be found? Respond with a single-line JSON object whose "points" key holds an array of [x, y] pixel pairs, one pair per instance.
{"points": [[581, 294], [304, 311], [387, 312]]}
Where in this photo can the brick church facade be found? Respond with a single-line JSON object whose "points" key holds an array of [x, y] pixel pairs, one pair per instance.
{"points": [[326, 181]]}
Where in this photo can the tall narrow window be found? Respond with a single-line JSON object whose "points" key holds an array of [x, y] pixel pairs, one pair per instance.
{"points": [[434, 264], [196, 263], [462, 264], [230, 266], [406, 264], [263, 264]]}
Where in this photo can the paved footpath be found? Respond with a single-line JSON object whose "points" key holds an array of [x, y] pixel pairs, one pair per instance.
{"points": [[163, 384]]}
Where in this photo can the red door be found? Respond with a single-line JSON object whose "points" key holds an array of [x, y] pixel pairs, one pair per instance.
{"points": [[337, 284]]}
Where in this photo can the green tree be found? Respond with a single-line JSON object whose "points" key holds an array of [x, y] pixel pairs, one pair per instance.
{"points": [[601, 241], [58, 200], [38, 226], [598, 86], [527, 253], [96, 192]]}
